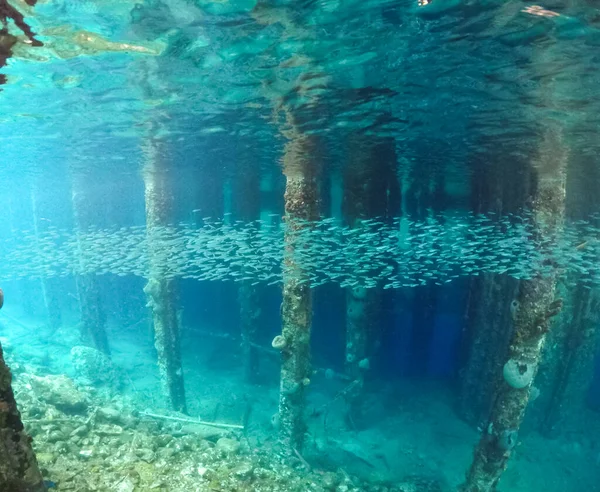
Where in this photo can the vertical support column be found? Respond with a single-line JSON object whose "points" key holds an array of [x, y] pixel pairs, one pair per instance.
{"points": [[160, 291], [490, 327], [294, 342], [571, 362], [246, 204], [535, 306], [249, 320], [357, 332], [356, 188], [370, 191], [119, 212], [423, 200], [488, 320], [424, 312], [570, 353], [19, 470], [51, 303], [93, 316]]}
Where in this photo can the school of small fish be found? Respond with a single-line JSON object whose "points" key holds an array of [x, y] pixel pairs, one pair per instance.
{"points": [[392, 253]]}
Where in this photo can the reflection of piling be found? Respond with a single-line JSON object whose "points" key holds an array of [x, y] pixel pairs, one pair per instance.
{"points": [[93, 316], [534, 307], [19, 470], [160, 291], [294, 341]]}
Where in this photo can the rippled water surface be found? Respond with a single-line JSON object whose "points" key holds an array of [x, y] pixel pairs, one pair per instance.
{"points": [[446, 79]]}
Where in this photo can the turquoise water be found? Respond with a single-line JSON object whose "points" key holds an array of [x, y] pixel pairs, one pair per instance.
{"points": [[145, 150]]}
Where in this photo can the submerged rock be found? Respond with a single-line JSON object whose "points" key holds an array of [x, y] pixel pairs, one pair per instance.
{"points": [[201, 431], [93, 365], [126, 485], [115, 416], [228, 446], [243, 471], [59, 391]]}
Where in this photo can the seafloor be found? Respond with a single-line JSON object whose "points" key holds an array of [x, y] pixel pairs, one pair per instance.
{"points": [[96, 435]]}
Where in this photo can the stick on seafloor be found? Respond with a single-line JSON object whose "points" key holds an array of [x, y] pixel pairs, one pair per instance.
{"points": [[192, 421]]}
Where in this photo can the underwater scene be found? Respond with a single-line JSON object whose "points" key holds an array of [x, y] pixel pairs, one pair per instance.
{"points": [[289, 246]]}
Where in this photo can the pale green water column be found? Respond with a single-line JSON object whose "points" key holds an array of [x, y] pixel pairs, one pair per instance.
{"points": [[160, 291]]}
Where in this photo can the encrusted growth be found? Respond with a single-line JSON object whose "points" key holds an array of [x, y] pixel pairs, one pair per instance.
{"points": [[160, 291], [300, 208], [18, 467]]}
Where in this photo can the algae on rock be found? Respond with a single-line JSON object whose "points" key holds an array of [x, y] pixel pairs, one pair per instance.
{"points": [[19, 469]]}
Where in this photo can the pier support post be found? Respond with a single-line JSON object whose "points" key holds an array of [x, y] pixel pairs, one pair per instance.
{"points": [[535, 306], [488, 321], [48, 285], [248, 298], [489, 332], [294, 342], [161, 292], [93, 316], [568, 369], [246, 206], [370, 191]]}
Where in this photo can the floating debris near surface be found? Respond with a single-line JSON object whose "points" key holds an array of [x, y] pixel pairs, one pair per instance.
{"points": [[392, 253]]}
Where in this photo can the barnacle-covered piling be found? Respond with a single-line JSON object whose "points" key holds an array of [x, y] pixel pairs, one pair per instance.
{"points": [[536, 305], [489, 318], [488, 333], [567, 373], [301, 207], [19, 471], [93, 316], [160, 291]]}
